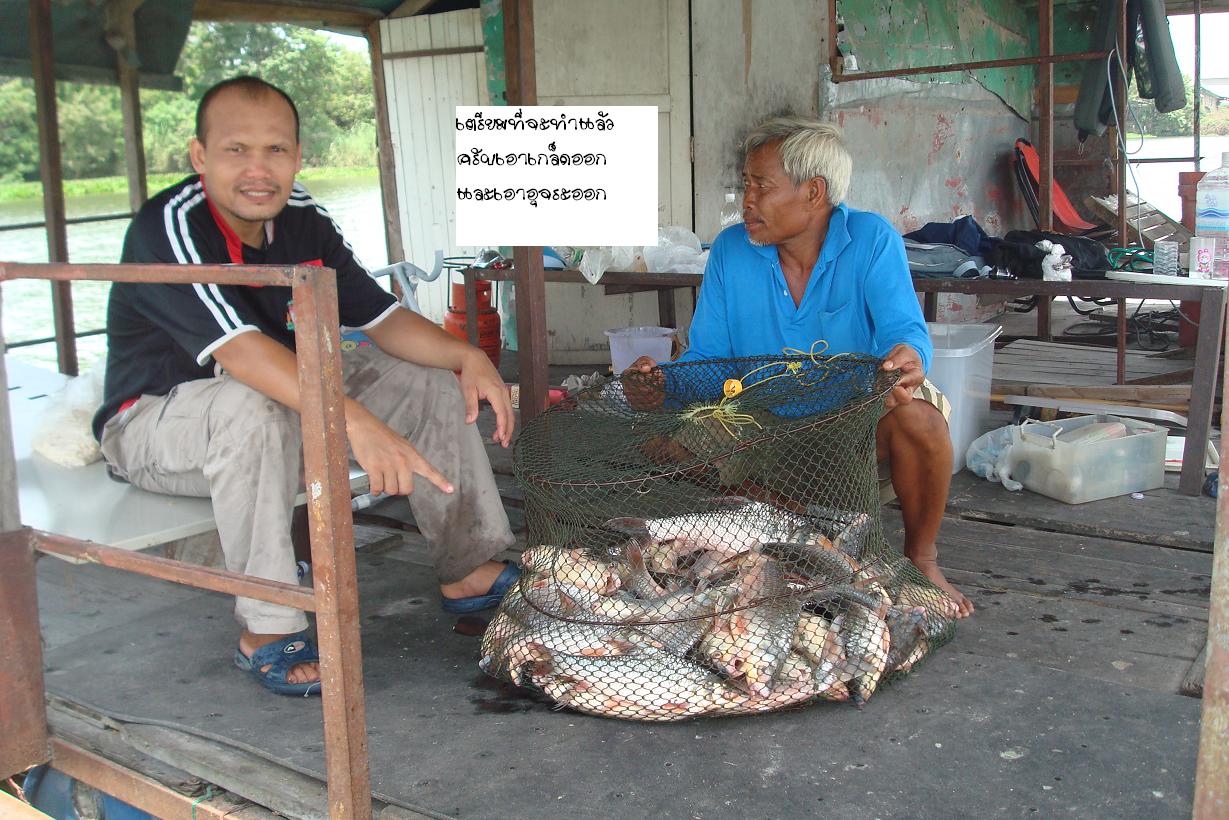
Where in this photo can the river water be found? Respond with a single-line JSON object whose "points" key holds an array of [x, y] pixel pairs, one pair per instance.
{"points": [[353, 202]]}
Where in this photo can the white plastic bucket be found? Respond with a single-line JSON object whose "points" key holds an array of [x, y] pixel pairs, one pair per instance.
{"points": [[630, 343]]}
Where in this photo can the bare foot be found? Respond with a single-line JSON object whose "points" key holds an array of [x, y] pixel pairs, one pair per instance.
{"points": [[478, 582], [249, 642], [962, 606]]}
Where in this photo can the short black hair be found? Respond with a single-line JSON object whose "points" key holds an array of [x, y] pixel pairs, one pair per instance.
{"points": [[254, 87]]}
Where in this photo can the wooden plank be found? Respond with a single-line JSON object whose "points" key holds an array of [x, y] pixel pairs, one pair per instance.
{"points": [[10, 515], [1192, 682], [51, 171], [120, 14], [1162, 517], [1029, 361], [384, 145], [134, 788], [310, 14], [1096, 570], [1101, 642], [289, 793], [14, 809], [1145, 223], [1110, 610]]}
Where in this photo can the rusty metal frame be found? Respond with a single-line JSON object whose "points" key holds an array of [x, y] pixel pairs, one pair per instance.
{"points": [[335, 598], [136, 789]]}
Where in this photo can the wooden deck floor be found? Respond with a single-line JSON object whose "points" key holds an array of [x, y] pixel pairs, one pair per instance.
{"points": [[1060, 695]]}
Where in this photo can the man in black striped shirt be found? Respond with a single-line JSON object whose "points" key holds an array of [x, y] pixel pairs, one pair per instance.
{"points": [[201, 393]]}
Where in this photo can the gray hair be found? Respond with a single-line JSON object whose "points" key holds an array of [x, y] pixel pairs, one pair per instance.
{"points": [[809, 149]]}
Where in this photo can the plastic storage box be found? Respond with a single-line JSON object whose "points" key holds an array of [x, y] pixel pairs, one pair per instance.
{"points": [[1087, 458], [964, 357]]}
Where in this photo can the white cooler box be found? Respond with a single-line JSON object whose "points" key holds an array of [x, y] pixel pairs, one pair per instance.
{"points": [[1088, 458]]}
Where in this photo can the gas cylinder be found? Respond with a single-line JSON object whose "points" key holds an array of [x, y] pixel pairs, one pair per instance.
{"points": [[488, 319]]}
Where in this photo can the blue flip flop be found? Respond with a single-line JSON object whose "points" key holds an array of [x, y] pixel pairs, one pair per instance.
{"points": [[477, 603], [281, 656]]}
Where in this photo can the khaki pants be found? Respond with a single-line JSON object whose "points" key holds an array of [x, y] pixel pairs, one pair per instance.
{"points": [[220, 439]]}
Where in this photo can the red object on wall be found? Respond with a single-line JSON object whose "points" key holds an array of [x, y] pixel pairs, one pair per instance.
{"points": [[1188, 181], [488, 319]]}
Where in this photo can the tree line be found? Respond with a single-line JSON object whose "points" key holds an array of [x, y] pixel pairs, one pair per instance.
{"points": [[1181, 123], [330, 85]]}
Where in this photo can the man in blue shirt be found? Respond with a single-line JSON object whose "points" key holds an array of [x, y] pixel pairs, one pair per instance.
{"points": [[804, 267]]}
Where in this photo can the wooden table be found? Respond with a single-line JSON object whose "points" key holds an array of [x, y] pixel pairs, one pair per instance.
{"points": [[1207, 344]]}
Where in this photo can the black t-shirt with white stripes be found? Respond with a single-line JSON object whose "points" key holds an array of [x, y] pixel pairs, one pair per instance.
{"points": [[161, 335]]}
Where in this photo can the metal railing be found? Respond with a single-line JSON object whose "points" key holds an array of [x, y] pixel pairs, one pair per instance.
{"points": [[335, 596]]}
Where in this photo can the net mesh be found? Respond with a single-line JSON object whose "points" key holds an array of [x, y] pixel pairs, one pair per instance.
{"points": [[706, 540]]}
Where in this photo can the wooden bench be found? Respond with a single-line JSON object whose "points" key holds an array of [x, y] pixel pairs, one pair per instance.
{"points": [[84, 502]]}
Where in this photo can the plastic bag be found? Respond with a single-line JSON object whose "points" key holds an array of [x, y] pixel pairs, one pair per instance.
{"points": [[597, 261], [677, 251], [987, 457], [64, 434]]}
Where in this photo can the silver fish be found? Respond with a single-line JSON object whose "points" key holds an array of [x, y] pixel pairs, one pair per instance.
{"points": [[649, 686], [866, 651], [738, 527], [751, 643], [906, 632]]}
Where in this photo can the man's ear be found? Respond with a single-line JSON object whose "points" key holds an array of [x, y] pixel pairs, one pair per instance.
{"points": [[817, 191], [298, 158], [196, 152]]}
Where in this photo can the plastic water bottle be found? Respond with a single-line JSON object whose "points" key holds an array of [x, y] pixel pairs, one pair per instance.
{"points": [[1212, 214], [731, 210]]}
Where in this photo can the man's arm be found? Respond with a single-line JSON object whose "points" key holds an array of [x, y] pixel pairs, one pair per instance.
{"points": [[270, 368], [411, 337], [900, 330]]}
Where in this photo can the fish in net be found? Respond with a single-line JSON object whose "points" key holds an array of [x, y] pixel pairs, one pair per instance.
{"points": [[707, 541]]}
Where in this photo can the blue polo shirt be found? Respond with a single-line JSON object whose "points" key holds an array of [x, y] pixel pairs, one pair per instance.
{"points": [[859, 298]]}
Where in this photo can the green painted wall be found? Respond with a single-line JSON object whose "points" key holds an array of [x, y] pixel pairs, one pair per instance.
{"points": [[493, 41], [909, 33]]}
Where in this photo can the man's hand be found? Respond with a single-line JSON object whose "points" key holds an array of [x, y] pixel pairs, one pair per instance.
{"points": [[645, 389], [480, 380], [907, 360], [390, 461]]}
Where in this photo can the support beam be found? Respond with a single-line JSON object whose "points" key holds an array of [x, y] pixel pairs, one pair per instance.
{"points": [[1045, 126], [1120, 101], [136, 789], [310, 14], [121, 35], [166, 569], [409, 8], [51, 169], [22, 712], [1212, 768], [384, 143], [332, 543], [521, 72], [23, 739]]}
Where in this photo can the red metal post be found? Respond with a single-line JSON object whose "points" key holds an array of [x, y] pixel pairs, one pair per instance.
{"points": [[23, 740], [332, 540]]}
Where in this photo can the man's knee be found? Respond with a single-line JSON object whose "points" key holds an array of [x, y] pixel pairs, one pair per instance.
{"points": [[918, 425]]}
